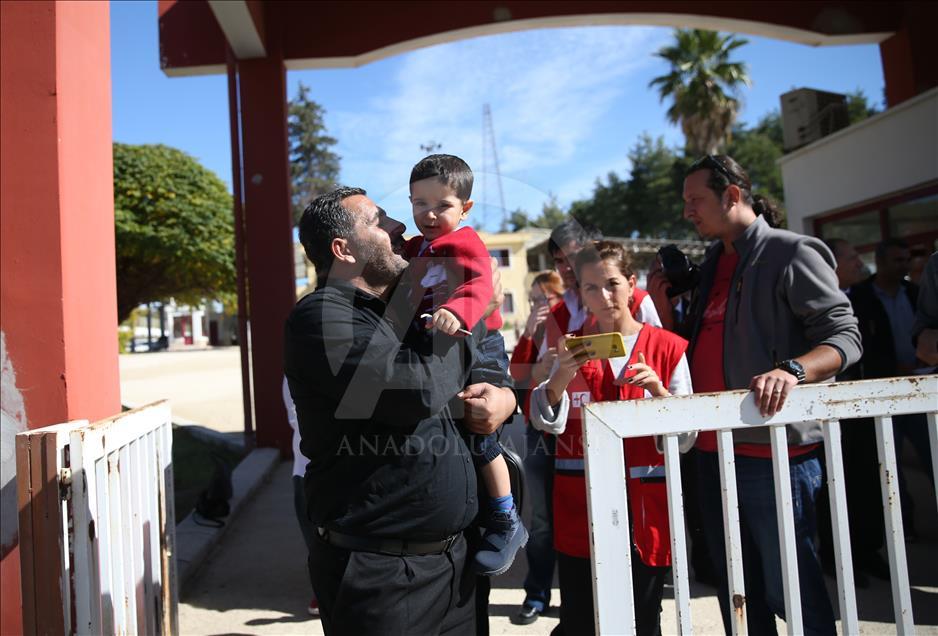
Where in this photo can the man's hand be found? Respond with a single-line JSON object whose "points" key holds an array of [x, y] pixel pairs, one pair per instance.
{"points": [[487, 406], [771, 389]]}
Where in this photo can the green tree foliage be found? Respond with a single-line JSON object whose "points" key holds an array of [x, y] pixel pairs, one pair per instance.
{"points": [[702, 84], [648, 203], [606, 208], [174, 228], [517, 220], [552, 215], [314, 167], [859, 107]]}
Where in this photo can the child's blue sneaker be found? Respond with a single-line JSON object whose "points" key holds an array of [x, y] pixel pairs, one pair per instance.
{"points": [[504, 536]]}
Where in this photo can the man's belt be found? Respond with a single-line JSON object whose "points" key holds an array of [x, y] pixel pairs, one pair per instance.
{"points": [[393, 547]]}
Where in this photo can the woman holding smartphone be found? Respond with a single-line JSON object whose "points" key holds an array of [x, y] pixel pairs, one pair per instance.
{"points": [[654, 366]]}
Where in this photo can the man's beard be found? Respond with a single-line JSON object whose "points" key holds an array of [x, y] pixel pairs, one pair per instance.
{"points": [[382, 269]]}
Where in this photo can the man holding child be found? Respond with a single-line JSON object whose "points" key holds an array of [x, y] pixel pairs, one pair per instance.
{"points": [[391, 484]]}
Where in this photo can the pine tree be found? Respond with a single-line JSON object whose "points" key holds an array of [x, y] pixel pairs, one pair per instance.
{"points": [[314, 167]]}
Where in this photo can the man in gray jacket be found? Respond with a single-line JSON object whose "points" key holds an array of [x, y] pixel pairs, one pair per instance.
{"points": [[768, 315]]}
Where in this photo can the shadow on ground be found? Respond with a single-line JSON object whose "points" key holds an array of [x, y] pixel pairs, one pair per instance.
{"points": [[256, 577]]}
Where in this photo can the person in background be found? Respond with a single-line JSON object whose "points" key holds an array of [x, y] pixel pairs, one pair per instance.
{"points": [[861, 463], [299, 492], [925, 329], [885, 304], [655, 365], [918, 264], [528, 371], [768, 315], [850, 269], [566, 241], [672, 300]]}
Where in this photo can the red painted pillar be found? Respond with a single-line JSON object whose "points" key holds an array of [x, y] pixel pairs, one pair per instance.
{"points": [[268, 248], [910, 57], [57, 276]]}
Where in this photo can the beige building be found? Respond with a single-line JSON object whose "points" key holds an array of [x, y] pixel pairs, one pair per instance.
{"points": [[519, 261]]}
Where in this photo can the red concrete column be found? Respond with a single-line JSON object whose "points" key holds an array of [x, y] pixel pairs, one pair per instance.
{"points": [[910, 57], [57, 275], [271, 290]]}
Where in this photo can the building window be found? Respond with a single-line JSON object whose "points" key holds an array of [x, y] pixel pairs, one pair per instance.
{"points": [[910, 216], [914, 218], [503, 257], [864, 228], [508, 304]]}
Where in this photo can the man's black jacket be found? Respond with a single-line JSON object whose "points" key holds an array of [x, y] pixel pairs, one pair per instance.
{"points": [[879, 351], [376, 418]]}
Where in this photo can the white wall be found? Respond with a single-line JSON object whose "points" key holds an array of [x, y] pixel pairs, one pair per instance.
{"points": [[890, 152]]}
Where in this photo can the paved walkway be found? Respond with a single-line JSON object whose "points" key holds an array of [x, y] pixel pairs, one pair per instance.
{"points": [[203, 386], [255, 583]]}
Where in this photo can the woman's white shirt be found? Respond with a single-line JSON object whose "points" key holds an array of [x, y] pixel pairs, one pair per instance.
{"points": [[553, 418]]}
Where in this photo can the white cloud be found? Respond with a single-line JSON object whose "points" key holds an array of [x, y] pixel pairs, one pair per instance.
{"points": [[547, 89]]}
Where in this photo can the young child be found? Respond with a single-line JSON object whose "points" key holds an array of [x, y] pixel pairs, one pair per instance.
{"points": [[451, 271]]}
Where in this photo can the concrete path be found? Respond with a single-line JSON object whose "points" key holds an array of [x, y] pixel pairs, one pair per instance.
{"points": [[202, 386], [255, 582]]}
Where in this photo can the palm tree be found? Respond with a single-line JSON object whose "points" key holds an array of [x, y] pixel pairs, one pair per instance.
{"points": [[703, 84]]}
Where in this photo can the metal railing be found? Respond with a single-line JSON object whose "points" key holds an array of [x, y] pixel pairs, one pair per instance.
{"points": [[606, 423], [97, 527]]}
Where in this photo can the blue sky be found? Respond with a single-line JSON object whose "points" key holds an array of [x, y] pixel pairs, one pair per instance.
{"points": [[567, 104]]}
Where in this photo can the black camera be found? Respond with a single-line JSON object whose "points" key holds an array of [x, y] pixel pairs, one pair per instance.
{"points": [[679, 270]]}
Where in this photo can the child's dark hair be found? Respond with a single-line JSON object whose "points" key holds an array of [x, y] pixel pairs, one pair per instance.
{"points": [[580, 233], [449, 169]]}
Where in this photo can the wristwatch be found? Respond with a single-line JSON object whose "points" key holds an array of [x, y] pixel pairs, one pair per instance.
{"points": [[793, 367]]}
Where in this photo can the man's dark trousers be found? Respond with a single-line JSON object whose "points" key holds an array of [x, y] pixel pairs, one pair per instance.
{"points": [[363, 593], [539, 473], [762, 566]]}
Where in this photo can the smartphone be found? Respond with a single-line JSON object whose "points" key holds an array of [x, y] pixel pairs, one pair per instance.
{"points": [[601, 345]]}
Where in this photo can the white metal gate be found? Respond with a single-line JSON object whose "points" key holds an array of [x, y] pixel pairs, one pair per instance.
{"points": [[606, 423], [97, 528]]}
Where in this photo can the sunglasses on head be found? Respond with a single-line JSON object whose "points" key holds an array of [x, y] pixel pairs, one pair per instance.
{"points": [[711, 162]]}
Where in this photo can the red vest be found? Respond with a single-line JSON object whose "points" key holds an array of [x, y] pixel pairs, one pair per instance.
{"points": [[637, 297], [644, 466], [557, 323]]}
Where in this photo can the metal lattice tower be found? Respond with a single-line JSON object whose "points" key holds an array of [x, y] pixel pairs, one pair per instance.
{"points": [[490, 167]]}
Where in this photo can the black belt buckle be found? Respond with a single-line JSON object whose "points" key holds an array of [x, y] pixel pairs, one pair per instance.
{"points": [[449, 542]]}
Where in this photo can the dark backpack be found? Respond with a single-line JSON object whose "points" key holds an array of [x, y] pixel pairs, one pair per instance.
{"points": [[213, 503]]}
